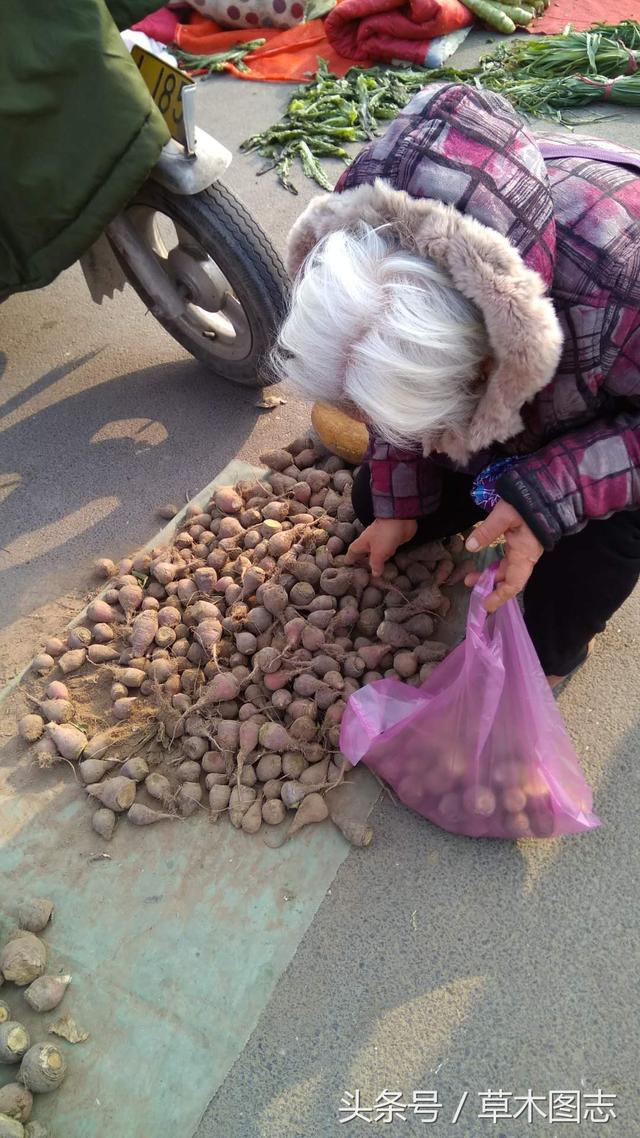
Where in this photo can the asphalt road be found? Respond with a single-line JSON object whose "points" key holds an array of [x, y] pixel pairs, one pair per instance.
{"points": [[103, 416], [434, 963]]}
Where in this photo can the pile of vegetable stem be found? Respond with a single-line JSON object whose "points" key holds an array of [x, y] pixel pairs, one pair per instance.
{"points": [[208, 64], [540, 77], [328, 112]]}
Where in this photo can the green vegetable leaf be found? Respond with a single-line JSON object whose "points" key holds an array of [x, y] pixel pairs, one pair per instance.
{"points": [[543, 77]]}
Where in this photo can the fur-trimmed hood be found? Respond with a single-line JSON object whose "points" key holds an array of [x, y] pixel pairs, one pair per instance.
{"points": [[503, 267]]}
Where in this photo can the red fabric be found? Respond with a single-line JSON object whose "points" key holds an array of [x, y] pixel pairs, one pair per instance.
{"points": [[581, 14], [392, 29], [160, 26], [288, 56]]}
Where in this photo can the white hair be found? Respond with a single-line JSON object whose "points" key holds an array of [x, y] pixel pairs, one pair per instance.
{"points": [[372, 325]]}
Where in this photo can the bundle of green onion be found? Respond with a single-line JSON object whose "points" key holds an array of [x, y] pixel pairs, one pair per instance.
{"points": [[604, 50], [543, 77], [546, 98], [547, 76]]}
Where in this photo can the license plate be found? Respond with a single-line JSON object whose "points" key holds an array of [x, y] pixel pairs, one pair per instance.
{"points": [[166, 85]]}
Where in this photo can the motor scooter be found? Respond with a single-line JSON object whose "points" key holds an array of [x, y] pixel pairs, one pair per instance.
{"points": [[189, 247]]}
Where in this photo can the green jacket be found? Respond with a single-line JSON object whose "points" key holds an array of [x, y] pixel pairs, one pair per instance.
{"points": [[79, 131]]}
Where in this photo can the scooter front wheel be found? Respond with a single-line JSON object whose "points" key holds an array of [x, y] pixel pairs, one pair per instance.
{"points": [[224, 288]]}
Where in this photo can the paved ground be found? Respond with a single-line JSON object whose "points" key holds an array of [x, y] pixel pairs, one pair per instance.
{"points": [[434, 963], [103, 416]]}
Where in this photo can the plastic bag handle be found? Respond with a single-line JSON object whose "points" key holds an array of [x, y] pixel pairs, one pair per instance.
{"points": [[483, 660], [477, 616]]}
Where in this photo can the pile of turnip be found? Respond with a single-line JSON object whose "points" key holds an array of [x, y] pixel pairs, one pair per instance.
{"points": [[42, 1066], [227, 657]]}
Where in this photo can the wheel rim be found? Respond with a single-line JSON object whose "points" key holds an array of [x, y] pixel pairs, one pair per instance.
{"points": [[212, 313]]}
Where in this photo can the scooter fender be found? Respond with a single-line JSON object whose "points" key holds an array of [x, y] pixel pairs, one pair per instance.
{"points": [[187, 174], [175, 170]]}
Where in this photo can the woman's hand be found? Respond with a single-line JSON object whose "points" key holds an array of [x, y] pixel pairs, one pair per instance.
{"points": [[522, 551], [380, 540]]}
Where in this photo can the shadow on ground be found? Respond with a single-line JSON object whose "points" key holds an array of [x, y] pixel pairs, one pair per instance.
{"points": [[114, 448], [464, 965]]}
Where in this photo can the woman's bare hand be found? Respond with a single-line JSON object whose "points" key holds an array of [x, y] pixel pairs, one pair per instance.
{"points": [[522, 551], [380, 541]]}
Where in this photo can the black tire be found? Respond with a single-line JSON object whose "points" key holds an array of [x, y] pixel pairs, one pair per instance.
{"points": [[225, 229]]}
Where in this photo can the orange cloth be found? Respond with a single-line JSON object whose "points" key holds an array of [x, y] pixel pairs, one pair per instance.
{"points": [[581, 14], [289, 56]]}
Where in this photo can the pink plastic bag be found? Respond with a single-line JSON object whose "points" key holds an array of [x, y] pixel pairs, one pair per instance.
{"points": [[480, 748]]}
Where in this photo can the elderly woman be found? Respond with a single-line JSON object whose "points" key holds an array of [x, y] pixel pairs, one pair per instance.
{"points": [[473, 294]]}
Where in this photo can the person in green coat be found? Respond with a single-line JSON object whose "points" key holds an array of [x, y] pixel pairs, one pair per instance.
{"points": [[79, 131]]}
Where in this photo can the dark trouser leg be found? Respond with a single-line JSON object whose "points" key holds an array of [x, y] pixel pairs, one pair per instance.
{"points": [[576, 588]]}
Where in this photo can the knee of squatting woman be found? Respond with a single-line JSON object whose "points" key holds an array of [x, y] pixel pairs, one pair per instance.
{"points": [[469, 291]]}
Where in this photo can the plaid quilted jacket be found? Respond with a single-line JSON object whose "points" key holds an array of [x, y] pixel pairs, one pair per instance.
{"points": [[544, 235]]}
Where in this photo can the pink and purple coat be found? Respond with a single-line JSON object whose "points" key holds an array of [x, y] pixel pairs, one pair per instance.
{"points": [[543, 234]]}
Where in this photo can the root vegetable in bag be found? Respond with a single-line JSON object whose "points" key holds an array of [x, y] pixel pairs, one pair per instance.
{"points": [[480, 748]]}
